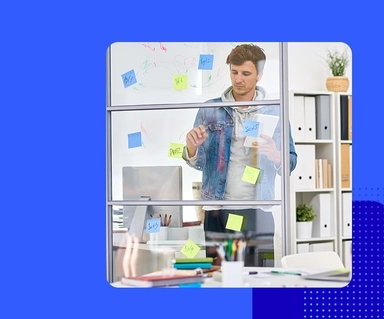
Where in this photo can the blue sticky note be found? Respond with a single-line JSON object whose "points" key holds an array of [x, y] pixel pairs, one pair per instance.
{"points": [[134, 140], [153, 225], [205, 62], [251, 128], [129, 78]]}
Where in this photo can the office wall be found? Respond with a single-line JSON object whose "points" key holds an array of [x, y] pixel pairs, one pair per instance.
{"points": [[307, 69]]}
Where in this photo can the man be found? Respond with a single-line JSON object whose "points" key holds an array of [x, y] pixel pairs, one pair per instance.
{"points": [[216, 146]]}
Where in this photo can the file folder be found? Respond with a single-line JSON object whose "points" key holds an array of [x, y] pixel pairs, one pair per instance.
{"points": [[321, 226], [345, 165], [346, 214], [298, 118], [323, 117], [344, 117], [304, 173], [309, 118]]}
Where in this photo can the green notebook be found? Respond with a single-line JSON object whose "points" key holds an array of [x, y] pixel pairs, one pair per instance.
{"points": [[192, 260]]}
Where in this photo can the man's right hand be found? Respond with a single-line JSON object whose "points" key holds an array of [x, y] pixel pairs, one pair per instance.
{"points": [[195, 138]]}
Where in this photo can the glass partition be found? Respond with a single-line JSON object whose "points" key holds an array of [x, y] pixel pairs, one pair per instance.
{"points": [[158, 92]]}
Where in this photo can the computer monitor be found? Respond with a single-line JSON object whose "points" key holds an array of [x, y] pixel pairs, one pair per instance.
{"points": [[151, 183]]}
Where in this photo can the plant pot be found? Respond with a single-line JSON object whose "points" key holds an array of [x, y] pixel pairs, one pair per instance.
{"points": [[337, 84], [304, 229]]}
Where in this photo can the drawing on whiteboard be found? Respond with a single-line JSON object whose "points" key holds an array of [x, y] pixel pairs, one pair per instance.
{"points": [[183, 64]]}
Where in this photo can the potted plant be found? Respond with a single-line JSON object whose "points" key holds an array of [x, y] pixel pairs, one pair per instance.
{"points": [[305, 215], [337, 63]]}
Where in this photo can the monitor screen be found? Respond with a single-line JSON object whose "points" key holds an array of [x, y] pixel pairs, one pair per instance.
{"points": [[151, 183]]}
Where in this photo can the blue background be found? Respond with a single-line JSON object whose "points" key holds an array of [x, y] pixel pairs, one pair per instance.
{"points": [[53, 152]]}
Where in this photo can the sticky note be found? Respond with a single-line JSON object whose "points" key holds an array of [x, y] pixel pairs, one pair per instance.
{"points": [[129, 78], [134, 140], [234, 222], [153, 225], [250, 174], [176, 150], [180, 82], [190, 249], [251, 128], [205, 62]]}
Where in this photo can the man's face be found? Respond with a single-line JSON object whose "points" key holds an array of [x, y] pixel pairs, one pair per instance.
{"points": [[244, 78]]}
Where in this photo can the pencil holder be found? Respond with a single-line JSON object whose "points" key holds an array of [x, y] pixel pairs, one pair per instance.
{"points": [[162, 234], [232, 273]]}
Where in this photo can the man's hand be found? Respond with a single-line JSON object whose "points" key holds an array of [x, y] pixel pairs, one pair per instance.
{"points": [[269, 149], [195, 138]]}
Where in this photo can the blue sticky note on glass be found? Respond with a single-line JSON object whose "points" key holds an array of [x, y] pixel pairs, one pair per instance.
{"points": [[153, 225], [129, 78], [205, 62], [251, 128], [134, 140]]}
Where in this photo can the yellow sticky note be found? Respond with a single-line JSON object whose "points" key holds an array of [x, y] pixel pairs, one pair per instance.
{"points": [[250, 174], [180, 82], [190, 249], [234, 222], [175, 150]]}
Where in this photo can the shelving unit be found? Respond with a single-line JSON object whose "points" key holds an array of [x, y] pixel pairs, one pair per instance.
{"points": [[315, 124], [344, 147]]}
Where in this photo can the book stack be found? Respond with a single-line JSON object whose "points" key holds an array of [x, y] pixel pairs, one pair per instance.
{"points": [[323, 173], [193, 263]]}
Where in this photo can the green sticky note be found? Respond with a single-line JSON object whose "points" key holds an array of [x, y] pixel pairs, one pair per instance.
{"points": [[175, 150], [190, 249], [250, 174], [234, 222], [180, 82]]}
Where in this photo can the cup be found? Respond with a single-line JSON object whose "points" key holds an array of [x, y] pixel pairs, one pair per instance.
{"points": [[232, 273], [162, 234]]}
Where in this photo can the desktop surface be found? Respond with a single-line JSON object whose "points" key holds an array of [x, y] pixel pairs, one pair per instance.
{"points": [[269, 277]]}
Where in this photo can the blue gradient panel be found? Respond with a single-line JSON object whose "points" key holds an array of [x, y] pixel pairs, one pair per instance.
{"points": [[53, 155]]}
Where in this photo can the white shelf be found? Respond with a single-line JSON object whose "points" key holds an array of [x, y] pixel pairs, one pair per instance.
{"points": [[325, 148]]}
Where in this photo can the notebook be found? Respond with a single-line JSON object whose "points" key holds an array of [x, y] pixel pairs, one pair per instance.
{"points": [[342, 274], [267, 126], [161, 280]]}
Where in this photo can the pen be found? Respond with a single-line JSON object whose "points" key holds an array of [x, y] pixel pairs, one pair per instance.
{"points": [[169, 220], [285, 272], [250, 273]]}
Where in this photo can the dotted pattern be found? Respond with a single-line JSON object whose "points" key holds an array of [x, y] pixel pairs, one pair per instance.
{"points": [[363, 297]]}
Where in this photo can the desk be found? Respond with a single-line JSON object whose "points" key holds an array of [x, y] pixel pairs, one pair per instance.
{"points": [[264, 279], [151, 257]]}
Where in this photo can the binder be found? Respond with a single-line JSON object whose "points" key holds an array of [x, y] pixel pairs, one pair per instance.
{"points": [[323, 117], [324, 163], [304, 173], [344, 117], [298, 118], [329, 173], [345, 166], [309, 118], [350, 117], [321, 226], [327, 246], [347, 254], [346, 214], [302, 248]]}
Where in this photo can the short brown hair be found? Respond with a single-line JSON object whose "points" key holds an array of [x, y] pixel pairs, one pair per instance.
{"points": [[247, 52]]}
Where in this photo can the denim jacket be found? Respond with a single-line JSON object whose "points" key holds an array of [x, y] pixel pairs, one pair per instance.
{"points": [[213, 155]]}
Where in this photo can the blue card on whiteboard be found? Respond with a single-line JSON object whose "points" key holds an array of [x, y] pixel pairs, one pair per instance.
{"points": [[205, 62], [134, 140], [153, 225], [251, 128], [129, 78]]}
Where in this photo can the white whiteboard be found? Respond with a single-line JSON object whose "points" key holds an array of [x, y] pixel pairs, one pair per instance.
{"points": [[149, 71], [146, 72]]}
